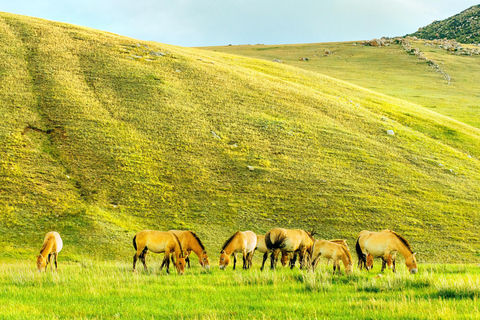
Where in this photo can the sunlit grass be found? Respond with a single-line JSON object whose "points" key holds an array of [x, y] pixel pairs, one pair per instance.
{"points": [[110, 290]]}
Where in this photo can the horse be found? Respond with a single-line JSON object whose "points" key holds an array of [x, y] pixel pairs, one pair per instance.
{"points": [[382, 244], [334, 251], [367, 261], [158, 242], [289, 240], [244, 242], [262, 247], [191, 242], [52, 245]]}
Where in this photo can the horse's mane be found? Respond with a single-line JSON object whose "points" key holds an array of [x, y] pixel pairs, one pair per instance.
{"points": [[347, 253], [46, 243], [198, 239], [178, 241], [404, 241], [229, 240]]}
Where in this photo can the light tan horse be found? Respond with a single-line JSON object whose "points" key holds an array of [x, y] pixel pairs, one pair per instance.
{"points": [[289, 240], [191, 242], [334, 251], [262, 247], [244, 242], [158, 242], [383, 244], [52, 245]]}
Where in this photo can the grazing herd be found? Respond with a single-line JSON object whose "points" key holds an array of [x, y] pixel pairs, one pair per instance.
{"points": [[177, 246]]}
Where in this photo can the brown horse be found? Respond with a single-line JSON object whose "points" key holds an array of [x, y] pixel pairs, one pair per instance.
{"points": [[52, 245], [262, 247], [334, 251], [244, 242], [288, 240], [383, 244], [158, 242], [191, 242]]}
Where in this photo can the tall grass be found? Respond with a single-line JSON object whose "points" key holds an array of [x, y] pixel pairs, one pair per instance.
{"points": [[109, 290]]}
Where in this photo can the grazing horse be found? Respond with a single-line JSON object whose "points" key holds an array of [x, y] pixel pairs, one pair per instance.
{"points": [[158, 242], [244, 242], [191, 242], [262, 247], [383, 244], [52, 245], [332, 250], [288, 240]]}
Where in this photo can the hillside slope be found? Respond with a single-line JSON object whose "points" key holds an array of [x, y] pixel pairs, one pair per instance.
{"points": [[390, 70], [463, 27], [104, 135]]}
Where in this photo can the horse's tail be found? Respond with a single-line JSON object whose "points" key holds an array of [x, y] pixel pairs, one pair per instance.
{"points": [[360, 255], [277, 243], [135, 242]]}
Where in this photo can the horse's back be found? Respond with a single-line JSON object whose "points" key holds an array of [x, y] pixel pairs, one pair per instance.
{"points": [[155, 241], [376, 243], [183, 236], [296, 239], [250, 240], [261, 245], [56, 239]]}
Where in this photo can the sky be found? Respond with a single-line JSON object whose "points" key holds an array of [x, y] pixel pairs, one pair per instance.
{"points": [[192, 23]]}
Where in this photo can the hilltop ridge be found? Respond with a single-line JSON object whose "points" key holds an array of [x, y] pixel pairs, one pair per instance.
{"points": [[463, 27]]}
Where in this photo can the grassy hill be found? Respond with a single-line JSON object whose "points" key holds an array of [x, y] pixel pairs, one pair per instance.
{"points": [[389, 70], [103, 136], [463, 27]]}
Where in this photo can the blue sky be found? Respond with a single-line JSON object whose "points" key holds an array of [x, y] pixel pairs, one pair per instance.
{"points": [[222, 22]]}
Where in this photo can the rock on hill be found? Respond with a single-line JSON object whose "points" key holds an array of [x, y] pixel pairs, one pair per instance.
{"points": [[463, 27]]}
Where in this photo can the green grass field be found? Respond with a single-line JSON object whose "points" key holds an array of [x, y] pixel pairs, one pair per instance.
{"points": [[100, 290]]}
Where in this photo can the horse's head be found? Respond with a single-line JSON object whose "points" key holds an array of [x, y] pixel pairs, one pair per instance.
{"points": [[285, 258], [224, 260], [369, 264], [41, 263], [203, 260], [411, 263], [349, 268], [180, 263]]}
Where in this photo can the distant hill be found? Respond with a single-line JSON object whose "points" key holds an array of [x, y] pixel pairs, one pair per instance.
{"points": [[463, 27], [102, 136]]}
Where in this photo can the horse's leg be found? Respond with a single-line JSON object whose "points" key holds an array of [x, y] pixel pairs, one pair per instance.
{"points": [[294, 260], [394, 264], [143, 256], [49, 256], [234, 260], [135, 257], [244, 255], [265, 256], [168, 262], [187, 258], [384, 264], [55, 257]]}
